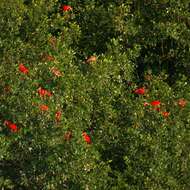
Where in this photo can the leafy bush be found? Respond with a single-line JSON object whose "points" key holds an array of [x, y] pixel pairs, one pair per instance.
{"points": [[94, 95]]}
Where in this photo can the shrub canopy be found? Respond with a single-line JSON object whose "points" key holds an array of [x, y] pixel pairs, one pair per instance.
{"points": [[94, 94]]}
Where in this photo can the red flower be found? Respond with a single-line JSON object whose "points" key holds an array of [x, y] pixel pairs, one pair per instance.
{"points": [[6, 122], [91, 59], [155, 103], [23, 69], [58, 116], [86, 137], [66, 8], [50, 58], [146, 104], [46, 57], [44, 107], [140, 91], [182, 102], [42, 92], [11, 126], [165, 114], [56, 72]]}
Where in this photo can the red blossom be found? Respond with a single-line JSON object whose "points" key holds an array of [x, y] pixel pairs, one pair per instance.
{"points": [[6, 122], [146, 104], [66, 8], [11, 126], [155, 103], [42, 92], [165, 114], [56, 72], [47, 57], [50, 58], [182, 102], [44, 107], [58, 116], [23, 69], [140, 91], [86, 138], [91, 59]]}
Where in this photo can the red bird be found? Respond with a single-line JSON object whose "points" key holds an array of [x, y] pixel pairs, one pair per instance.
{"points": [[86, 138], [182, 102], [140, 91], [44, 107], [58, 116], [11, 126], [66, 8], [155, 103], [23, 69], [165, 114], [42, 92]]}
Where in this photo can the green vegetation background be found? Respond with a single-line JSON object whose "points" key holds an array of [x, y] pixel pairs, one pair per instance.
{"points": [[142, 43]]}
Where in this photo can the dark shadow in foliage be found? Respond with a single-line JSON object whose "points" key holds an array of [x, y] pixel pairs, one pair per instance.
{"points": [[25, 163], [159, 52], [10, 170], [162, 61], [115, 153], [97, 29], [27, 2], [73, 186]]}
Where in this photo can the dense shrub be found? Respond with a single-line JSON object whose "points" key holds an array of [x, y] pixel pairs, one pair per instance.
{"points": [[94, 95]]}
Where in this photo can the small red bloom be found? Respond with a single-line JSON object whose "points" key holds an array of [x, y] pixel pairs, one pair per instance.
{"points": [[58, 116], [23, 69], [66, 8], [42, 92], [47, 57], [155, 103], [91, 59], [182, 102], [44, 107], [48, 93], [86, 137], [146, 104], [56, 72], [6, 122], [165, 114], [11, 126], [50, 58], [140, 91]]}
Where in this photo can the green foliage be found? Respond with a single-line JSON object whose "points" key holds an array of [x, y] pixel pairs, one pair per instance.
{"points": [[68, 81]]}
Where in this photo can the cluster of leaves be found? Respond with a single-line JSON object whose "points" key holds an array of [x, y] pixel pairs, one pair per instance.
{"points": [[94, 94]]}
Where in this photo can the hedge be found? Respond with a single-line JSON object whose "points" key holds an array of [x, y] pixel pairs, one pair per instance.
{"points": [[94, 95]]}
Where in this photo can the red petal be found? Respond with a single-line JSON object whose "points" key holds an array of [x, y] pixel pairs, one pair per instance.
{"points": [[23, 69], [155, 103]]}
